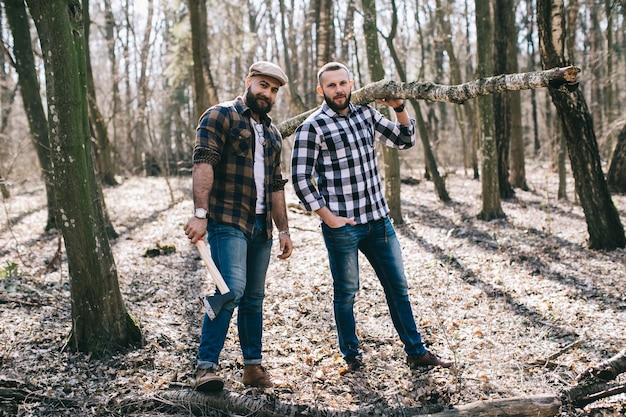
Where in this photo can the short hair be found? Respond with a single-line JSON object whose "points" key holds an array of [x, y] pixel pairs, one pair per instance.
{"points": [[331, 66]]}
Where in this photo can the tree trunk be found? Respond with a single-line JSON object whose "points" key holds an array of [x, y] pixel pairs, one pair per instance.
{"points": [[429, 157], [104, 162], [100, 322], [391, 160], [33, 106], [291, 66], [603, 222], [205, 93], [561, 147], [109, 36], [325, 35], [504, 31], [491, 208], [463, 113], [516, 154], [616, 177]]}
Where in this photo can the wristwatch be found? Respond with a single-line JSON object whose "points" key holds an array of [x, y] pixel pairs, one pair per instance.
{"points": [[200, 213], [399, 109]]}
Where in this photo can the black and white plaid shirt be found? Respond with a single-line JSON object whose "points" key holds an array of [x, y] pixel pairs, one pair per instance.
{"points": [[334, 161]]}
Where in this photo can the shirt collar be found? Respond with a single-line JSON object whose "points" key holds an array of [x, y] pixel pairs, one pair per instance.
{"points": [[332, 113]]}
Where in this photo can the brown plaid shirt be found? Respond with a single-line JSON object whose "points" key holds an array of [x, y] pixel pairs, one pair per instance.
{"points": [[225, 139]]}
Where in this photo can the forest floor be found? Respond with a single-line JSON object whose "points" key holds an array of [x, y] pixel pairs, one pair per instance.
{"points": [[521, 305]]}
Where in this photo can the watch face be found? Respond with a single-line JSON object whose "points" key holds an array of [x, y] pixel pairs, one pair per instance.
{"points": [[200, 213]]}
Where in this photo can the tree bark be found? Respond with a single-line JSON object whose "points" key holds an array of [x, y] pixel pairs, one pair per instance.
{"points": [[505, 62], [31, 97], [429, 157], [391, 161], [205, 93], [104, 162], [616, 177], [325, 35], [603, 222], [100, 322], [464, 113], [491, 205]]}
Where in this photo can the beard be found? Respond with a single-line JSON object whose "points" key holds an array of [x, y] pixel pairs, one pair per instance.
{"points": [[338, 107], [258, 104]]}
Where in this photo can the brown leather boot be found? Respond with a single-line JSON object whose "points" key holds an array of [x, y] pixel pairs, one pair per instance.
{"points": [[207, 381], [427, 361], [256, 376]]}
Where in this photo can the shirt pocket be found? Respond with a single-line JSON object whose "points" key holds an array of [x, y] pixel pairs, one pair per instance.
{"points": [[336, 148], [240, 141]]}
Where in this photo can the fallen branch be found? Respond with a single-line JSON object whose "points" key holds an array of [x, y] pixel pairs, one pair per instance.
{"points": [[271, 406], [536, 406], [543, 405], [549, 359], [605, 371], [563, 79]]}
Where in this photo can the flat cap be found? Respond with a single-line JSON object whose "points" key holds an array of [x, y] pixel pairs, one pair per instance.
{"points": [[270, 70]]}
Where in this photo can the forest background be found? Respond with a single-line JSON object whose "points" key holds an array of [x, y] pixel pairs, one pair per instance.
{"points": [[153, 67]]}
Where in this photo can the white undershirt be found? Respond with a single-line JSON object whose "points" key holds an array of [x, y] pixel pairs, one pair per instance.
{"points": [[259, 166]]}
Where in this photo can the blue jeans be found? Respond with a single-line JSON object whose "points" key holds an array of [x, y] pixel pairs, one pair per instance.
{"points": [[378, 242], [243, 263]]}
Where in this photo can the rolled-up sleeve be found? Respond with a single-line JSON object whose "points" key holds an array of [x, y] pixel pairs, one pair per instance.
{"points": [[394, 134], [209, 135]]}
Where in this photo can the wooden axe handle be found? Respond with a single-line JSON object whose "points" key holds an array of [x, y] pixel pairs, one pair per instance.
{"points": [[205, 254]]}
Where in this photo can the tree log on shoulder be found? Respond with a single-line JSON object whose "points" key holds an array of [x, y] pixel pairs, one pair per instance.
{"points": [[563, 79]]}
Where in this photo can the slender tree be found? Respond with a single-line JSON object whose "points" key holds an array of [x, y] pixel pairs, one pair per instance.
{"points": [[505, 62], [100, 321], [205, 93], [492, 208], [431, 162], [390, 155], [29, 89], [325, 35], [616, 177], [104, 160], [603, 222], [464, 112]]}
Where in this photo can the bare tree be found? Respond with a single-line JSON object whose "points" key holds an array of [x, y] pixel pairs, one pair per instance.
{"points": [[603, 222], [204, 88], [100, 321], [29, 89], [390, 155], [429, 156], [104, 161], [492, 208], [505, 62], [616, 177]]}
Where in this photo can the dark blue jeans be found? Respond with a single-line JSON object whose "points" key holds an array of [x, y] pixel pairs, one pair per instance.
{"points": [[378, 242], [243, 263]]}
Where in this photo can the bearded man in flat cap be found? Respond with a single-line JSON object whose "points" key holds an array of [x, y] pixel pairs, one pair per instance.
{"points": [[238, 196]]}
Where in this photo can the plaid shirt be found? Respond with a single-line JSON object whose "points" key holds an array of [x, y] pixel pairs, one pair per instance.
{"points": [[226, 140], [334, 161]]}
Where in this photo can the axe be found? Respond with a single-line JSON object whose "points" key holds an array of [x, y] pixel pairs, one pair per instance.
{"points": [[213, 304]]}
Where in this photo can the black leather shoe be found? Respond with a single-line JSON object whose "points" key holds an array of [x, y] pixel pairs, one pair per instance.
{"points": [[428, 359]]}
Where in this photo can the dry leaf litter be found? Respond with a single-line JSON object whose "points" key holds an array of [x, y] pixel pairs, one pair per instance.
{"points": [[498, 297]]}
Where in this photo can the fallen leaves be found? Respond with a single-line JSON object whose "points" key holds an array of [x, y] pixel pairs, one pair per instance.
{"points": [[495, 296]]}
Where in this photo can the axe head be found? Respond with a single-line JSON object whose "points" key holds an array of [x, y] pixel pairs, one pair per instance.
{"points": [[214, 303]]}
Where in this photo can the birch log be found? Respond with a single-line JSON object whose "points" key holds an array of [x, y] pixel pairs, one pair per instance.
{"points": [[563, 79]]}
